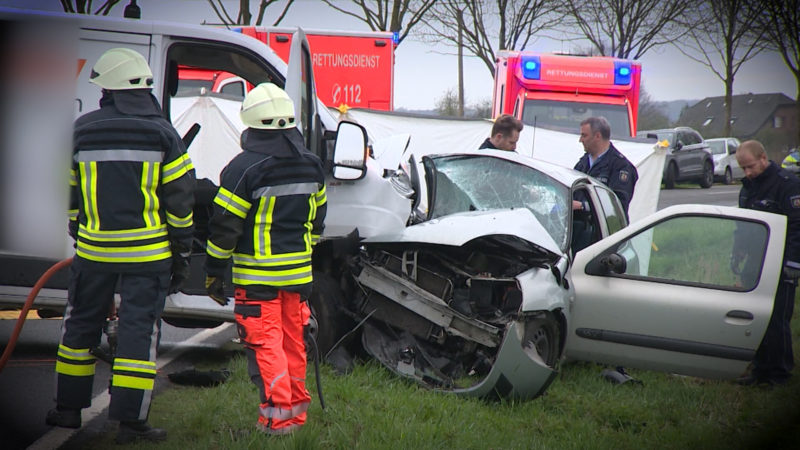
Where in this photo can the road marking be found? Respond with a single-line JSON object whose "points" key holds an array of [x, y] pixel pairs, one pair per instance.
{"points": [[57, 436]]}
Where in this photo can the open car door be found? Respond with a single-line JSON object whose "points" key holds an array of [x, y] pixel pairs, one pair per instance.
{"points": [[663, 294], [301, 89]]}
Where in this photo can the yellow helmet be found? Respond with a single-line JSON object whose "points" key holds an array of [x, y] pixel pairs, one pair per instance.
{"points": [[121, 68], [268, 107]]}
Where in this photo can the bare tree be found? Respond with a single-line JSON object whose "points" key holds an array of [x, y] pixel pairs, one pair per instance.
{"points": [[780, 21], [651, 115], [724, 41], [388, 15], [245, 17], [447, 104], [628, 28], [488, 27], [85, 7]]}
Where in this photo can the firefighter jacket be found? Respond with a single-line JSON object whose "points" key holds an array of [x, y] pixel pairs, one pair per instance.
{"points": [[268, 212], [613, 170], [131, 184], [777, 191]]}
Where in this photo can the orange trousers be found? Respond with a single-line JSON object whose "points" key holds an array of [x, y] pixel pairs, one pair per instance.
{"points": [[272, 333]]}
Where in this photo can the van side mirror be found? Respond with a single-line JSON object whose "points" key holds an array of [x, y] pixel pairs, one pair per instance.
{"points": [[350, 152]]}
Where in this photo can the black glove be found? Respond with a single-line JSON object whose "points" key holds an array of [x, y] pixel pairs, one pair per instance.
{"points": [[790, 273], [180, 273], [215, 287]]}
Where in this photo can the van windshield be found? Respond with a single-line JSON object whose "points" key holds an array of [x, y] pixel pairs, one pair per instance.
{"points": [[569, 115]]}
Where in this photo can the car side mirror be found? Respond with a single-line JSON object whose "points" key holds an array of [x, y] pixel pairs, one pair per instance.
{"points": [[350, 152], [607, 264]]}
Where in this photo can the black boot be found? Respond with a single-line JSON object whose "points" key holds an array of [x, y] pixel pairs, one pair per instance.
{"points": [[139, 430], [64, 417]]}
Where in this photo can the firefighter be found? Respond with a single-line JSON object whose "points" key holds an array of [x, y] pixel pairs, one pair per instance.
{"points": [[131, 216], [268, 213]]}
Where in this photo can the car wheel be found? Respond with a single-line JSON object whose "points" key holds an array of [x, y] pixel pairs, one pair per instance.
{"points": [[708, 175], [671, 175], [327, 323], [543, 335], [728, 176]]}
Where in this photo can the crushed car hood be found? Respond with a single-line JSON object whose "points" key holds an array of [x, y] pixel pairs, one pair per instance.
{"points": [[458, 229]]}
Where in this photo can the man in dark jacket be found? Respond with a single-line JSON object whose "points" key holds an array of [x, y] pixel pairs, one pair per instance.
{"points": [[767, 187], [268, 213], [604, 162], [131, 216], [505, 134]]}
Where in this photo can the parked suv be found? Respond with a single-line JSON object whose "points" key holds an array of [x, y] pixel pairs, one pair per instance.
{"points": [[688, 156], [726, 168]]}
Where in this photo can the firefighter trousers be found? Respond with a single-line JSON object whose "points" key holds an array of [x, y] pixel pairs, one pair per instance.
{"points": [[272, 333], [91, 293]]}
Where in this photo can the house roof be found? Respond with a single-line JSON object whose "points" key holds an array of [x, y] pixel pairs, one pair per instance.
{"points": [[749, 113]]}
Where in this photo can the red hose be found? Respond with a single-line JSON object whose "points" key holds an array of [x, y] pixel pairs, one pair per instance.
{"points": [[12, 342]]}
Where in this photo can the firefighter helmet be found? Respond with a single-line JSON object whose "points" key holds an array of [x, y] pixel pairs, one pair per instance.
{"points": [[121, 68], [268, 107]]}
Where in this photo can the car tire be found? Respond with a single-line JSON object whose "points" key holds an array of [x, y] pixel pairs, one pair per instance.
{"points": [[543, 334], [708, 175], [328, 323], [671, 175], [728, 178]]}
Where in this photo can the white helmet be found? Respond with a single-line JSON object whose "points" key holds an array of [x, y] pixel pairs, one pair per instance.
{"points": [[121, 68], [268, 107]]}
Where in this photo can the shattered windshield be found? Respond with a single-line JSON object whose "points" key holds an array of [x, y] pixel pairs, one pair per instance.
{"points": [[481, 183]]}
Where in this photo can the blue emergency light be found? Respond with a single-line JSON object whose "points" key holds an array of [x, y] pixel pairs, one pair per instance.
{"points": [[395, 37], [237, 29], [622, 72], [531, 67]]}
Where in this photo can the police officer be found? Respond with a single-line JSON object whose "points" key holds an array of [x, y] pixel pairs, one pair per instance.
{"points": [[131, 216], [604, 162], [268, 213], [767, 187], [505, 134]]}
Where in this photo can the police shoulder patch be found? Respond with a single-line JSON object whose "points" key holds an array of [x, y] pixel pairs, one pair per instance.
{"points": [[795, 201], [623, 176]]}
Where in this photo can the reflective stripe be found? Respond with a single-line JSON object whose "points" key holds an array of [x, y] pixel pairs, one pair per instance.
{"points": [[123, 235], [151, 202], [89, 190], [141, 253], [285, 259], [261, 238], [792, 264], [314, 239], [176, 168], [321, 196], [276, 412], [312, 213], [73, 177], [77, 354], [133, 365], [119, 155], [179, 222], [300, 275], [232, 202], [73, 214], [216, 251], [286, 189], [75, 370], [127, 381]]}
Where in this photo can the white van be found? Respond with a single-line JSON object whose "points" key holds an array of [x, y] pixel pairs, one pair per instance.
{"points": [[359, 196]]}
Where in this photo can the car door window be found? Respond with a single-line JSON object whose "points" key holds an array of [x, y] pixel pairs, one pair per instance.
{"points": [[698, 251], [612, 210]]}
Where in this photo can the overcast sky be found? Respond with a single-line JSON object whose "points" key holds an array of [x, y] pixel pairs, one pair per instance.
{"points": [[423, 71]]}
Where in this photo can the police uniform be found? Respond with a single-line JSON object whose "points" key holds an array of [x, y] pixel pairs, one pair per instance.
{"points": [[130, 209], [776, 191], [613, 170], [268, 213]]}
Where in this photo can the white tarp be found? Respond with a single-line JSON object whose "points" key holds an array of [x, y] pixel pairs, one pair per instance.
{"points": [[218, 140], [431, 135]]}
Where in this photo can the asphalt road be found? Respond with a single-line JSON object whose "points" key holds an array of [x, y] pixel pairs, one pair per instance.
{"points": [[27, 384]]}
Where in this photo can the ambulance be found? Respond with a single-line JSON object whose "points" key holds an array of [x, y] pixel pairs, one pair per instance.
{"points": [[559, 91]]}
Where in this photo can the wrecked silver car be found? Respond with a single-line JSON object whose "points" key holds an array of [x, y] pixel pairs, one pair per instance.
{"points": [[497, 281]]}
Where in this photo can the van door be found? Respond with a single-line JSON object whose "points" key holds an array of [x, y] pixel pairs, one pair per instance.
{"points": [[300, 87]]}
